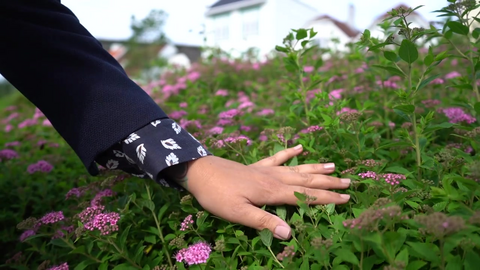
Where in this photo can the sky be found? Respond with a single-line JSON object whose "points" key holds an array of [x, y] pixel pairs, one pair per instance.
{"points": [[110, 19]]}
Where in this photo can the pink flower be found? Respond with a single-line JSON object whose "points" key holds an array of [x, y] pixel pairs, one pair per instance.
{"points": [[387, 84], [8, 128], [26, 234], [245, 128], [52, 217], [93, 218], [256, 66], [308, 69], [27, 123], [265, 112], [38, 114], [437, 81], [229, 114], [46, 123], [221, 92], [193, 76], [429, 103], [391, 124], [453, 74], [10, 108], [369, 174], [8, 154], [98, 197], [336, 94], [194, 254], [457, 115], [346, 110], [186, 223], [41, 166], [12, 116], [311, 129], [63, 266], [216, 130], [14, 143], [178, 114], [73, 192], [183, 105]]}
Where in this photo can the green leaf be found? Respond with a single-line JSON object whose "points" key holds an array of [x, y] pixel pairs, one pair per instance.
{"points": [[162, 211], [416, 265], [427, 81], [428, 60], [330, 208], [407, 109], [424, 251], [83, 265], [150, 239], [312, 33], [281, 49], [476, 33], [458, 27], [301, 34], [346, 256], [472, 260], [397, 169], [124, 266], [392, 70], [293, 162], [305, 265], [454, 263], [408, 51], [477, 108], [281, 212], [59, 243], [393, 242], [266, 236], [403, 256], [327, 119], [390, 56]]}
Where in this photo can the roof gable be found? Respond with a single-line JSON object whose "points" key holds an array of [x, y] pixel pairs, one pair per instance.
{"points": [[345, 28], [224, 2]]}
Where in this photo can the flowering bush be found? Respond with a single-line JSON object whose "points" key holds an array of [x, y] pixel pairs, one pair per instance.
{"points": [[409, 140]]}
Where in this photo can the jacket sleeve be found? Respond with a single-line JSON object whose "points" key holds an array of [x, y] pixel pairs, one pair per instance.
{"points": [[149, 150], [62, 69]]}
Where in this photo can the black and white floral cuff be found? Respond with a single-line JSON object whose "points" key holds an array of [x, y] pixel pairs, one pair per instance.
{"points": [[151, 149]]}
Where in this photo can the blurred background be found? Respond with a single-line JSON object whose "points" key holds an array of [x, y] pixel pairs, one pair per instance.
{"points": [[147, 37]]}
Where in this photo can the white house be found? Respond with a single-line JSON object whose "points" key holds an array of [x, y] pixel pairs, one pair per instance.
{"points": [[238, 25], [329, 28]]}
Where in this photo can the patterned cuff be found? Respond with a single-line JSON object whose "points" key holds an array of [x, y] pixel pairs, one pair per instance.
{"points": [[151, 149]]}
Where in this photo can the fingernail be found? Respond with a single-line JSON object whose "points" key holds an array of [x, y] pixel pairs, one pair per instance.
{"points": [[345, 180], [329, 166], [282, 232], [298, 147], [345, 196]]}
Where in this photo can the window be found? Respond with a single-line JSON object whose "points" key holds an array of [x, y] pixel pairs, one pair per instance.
{"points": [[250, 21], [221, 24]]}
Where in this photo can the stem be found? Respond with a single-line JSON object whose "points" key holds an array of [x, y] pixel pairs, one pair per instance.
{"points": [[275, 257], [415, 129], [85, 254], [442, 264], [164, 246], [474, 73], [304, 91], [120, 251]]}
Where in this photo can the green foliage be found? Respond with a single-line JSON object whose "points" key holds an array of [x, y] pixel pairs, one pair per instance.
{"points": [[378, 114]]}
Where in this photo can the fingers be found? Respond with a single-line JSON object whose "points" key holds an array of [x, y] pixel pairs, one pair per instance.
{"points": [[326, 168], [254, 217], [313, 181], [286, 195], [280, 157]]}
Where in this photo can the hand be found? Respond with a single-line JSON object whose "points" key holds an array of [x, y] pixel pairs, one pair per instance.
{"points": [[234, 191]]}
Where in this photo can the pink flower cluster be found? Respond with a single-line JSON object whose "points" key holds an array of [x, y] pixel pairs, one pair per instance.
{"points": [[63, 266], [7, 154], [77, 192], [26, 234], [346, 110], [265, 112], [52, 217], [229, 114], [96, 201], [194, 254], [288, 252], [93, 218], [429, 103], [457, 115], [311, 129], [186, 223], [221, 92], [232, 140], [177, 114], [11, 144], [390, 178], [40, 166]]}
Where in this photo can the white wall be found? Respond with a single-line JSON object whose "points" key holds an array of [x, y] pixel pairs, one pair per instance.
{"points": [[326, 31], [276, 19]]}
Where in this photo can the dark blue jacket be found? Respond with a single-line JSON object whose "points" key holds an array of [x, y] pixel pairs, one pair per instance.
{"points": [[61, 68]]}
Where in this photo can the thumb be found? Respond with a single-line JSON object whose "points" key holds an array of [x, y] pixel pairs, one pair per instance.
{"points": [[259, 219]]}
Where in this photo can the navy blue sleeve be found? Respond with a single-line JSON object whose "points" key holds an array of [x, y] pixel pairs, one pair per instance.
{"points": [[146, 152], [62, 69]]}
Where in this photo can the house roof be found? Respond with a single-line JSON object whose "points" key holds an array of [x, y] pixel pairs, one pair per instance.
{"points": [[349, 31], [224, 2]]}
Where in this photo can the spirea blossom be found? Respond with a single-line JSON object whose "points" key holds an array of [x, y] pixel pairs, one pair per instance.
{"points": [[63, 266], [194, 254], [229, 114], [186, 223], [311, 129], [265, 112], [390, 178], [457, 115], [453, 74], [221, 92], [52, 217], [93, 219], [40, 166], [26, 234], [8, 154]]}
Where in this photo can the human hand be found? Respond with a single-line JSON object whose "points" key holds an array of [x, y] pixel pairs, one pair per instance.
{"points": [[235, 191]]}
